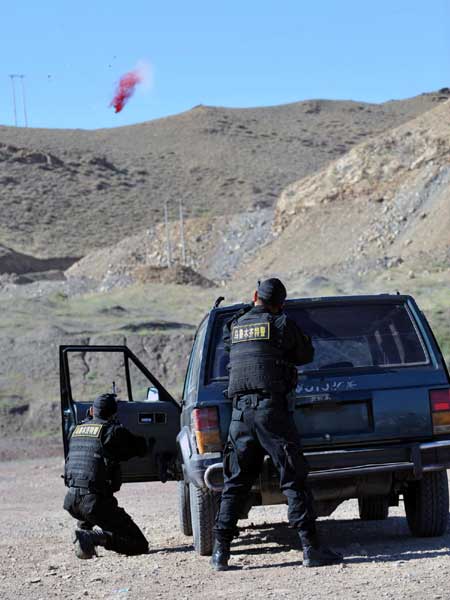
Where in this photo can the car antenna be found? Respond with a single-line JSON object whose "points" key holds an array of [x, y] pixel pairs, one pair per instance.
{"points": [[218, 301], [398, 293], [114, 388]]}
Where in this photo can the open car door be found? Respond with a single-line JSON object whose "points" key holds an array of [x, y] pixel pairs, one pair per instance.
{"points": [[145, 407]]}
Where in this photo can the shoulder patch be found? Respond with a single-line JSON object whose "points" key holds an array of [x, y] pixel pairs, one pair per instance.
{"points": [[87, 430], [250, 333]]}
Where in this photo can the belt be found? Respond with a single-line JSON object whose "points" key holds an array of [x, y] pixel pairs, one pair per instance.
{"points": [[76, 491], [256, 401]]}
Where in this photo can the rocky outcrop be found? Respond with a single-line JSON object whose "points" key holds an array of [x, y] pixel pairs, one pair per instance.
{"points": [[410, 157]]}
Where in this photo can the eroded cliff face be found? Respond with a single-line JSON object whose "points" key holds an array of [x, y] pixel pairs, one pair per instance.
{"points": [[396, 167]]}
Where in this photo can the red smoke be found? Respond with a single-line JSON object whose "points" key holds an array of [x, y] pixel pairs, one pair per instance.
{"points": [[125, 89]]}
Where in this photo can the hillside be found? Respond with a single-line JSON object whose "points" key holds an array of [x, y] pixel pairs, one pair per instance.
{"points": [[385, 203], [67, 192], [374, 219]]}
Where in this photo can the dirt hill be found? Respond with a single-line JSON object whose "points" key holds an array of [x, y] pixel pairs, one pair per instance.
{"points": [[213, 246], [18, 263], [385, 203], [67, 192], [375, 219]]}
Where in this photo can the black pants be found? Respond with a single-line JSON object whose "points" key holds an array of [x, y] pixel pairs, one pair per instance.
{"points": [[123, 534], [253, 433]]}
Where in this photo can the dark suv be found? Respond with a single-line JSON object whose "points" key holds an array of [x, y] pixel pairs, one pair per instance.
{"points": [[373, 411]]}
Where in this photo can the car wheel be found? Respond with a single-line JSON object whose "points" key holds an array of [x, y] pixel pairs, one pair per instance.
{"points": [[426, 505], [204, 505], [373, 508], [184, 507]]}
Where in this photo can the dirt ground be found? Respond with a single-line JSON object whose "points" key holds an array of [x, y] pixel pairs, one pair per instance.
{"points": [[37, 560]]}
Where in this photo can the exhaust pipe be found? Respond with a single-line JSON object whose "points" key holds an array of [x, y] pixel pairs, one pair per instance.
{"points": [[214, 471]]}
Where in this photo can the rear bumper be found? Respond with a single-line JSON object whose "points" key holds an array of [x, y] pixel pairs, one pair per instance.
{"points": [[418, 458], [335, 464]]}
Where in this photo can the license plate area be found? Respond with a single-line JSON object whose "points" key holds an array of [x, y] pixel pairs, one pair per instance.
{"points": [[334, 418]]}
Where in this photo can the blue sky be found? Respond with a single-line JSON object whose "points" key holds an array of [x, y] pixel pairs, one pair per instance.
{"points": [[234, 53]]}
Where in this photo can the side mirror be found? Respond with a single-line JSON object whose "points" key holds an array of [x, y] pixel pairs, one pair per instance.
{"points": [[152, 394]]}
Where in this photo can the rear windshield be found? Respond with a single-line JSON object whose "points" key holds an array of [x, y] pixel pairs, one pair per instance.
{"points": [[347, 336]]}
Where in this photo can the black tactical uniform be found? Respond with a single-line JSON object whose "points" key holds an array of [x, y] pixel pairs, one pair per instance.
{"points": [[92, 473], [264, 349]]}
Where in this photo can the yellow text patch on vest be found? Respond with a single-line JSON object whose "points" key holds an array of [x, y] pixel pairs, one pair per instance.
{"points": [[87, 430], [250, 333]]}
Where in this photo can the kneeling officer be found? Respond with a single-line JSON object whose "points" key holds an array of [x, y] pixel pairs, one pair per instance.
{"points": [[264, 346], [92, 473]]}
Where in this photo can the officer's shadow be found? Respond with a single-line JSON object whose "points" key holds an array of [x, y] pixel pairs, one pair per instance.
{"points": [[256, 540], [358, 541]]}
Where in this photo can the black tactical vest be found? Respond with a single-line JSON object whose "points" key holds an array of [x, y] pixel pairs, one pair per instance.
{"points": [[86, 466], [256, 355]]}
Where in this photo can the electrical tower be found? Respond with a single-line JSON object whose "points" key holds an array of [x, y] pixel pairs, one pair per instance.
{"points": [[14, 98], [13, 77]]}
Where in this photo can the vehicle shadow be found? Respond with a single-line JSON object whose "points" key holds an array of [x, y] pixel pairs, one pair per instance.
{"points": [[359, 541]]}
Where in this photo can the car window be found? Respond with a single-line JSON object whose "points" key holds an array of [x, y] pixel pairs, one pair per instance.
{"points": [[361, 335], [195, 362], [219, 357], [95, 373], [346, 336]]}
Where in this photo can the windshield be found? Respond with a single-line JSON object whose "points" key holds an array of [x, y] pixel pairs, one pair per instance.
{"points": [[346, 336]]}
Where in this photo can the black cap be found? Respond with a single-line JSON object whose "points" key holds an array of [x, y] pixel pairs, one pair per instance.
{"points": [[105, 405], [272, 291]]}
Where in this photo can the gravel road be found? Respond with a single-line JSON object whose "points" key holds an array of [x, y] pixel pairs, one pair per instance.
{"points": [[37, 560]]}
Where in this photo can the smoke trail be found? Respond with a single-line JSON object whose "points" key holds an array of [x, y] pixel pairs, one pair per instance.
{"points": [[125, 89]]}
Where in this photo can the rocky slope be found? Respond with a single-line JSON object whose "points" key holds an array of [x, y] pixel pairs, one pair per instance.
{"points": [[215, 247], [386, 202], [67, 192]]}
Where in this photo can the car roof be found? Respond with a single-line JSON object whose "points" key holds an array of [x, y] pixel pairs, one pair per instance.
{"points": [[362, 298]]}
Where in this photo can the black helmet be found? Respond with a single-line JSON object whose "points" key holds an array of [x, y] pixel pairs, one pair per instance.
{"points": [[105, 405], [272, 291]]}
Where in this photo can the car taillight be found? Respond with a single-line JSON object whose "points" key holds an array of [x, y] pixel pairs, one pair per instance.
{"points": [[440, 410], [206, 427]]}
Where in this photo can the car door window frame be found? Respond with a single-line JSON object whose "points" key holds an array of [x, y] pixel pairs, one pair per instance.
{"points": [[191, 381], [128, 355]]}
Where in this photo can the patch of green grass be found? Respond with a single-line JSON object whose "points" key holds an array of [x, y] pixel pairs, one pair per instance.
{"points": [[42, 433], [441, 328], [6, 404], [141, 303]]}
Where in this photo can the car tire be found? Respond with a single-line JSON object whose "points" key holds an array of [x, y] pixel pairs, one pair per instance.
{"points": [[204, 505], [373, 508], [426, 505], [184, 508]]}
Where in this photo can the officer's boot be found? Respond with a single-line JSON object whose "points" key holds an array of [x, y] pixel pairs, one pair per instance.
{"points": [[220, 554], [317, 555], [86, 542]]}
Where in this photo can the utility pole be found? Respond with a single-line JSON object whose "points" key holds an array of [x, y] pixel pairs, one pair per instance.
{"points": [[14, 99], [23, 100], [169, 249], [183, 246]]}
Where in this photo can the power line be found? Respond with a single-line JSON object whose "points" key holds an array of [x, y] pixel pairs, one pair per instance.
{"points": [[14, 98], [22, 77], [183, 244], [13, 77], [168, 245]]}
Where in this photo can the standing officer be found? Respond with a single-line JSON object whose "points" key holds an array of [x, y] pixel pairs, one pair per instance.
{"points": [[265, 345], [92, 474]]}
